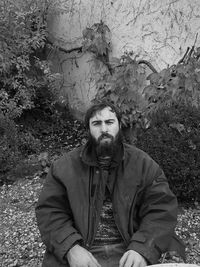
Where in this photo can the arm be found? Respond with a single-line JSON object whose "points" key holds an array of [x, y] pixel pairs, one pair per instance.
{"points": [[54, 217], [157, 218]]}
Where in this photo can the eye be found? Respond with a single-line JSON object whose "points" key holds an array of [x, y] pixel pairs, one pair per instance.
{"points": [[110, 122], [96, 123]]}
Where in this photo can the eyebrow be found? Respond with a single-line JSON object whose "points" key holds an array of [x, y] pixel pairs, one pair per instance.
{"points": [[109, 120]]}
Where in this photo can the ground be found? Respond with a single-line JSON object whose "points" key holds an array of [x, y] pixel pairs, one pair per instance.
{"points": [[21, 244]]}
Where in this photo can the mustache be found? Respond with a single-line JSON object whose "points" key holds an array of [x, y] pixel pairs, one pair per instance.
{"points": [[105, 135]]}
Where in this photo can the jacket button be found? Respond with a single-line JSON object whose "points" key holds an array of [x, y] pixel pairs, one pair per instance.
{"points": [[97, 172]]}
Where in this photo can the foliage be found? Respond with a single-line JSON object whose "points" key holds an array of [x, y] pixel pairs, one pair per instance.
{"points": [[179, 83], [173, 140], [97, 41], [14, 143], [38, 134], [8, 143], [123, 82], [27, 143], [173, 111], [25, 75], [23, 36], [122, 88]]}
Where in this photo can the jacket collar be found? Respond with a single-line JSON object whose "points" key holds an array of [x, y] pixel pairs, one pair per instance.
{"points": [[88, 155]]}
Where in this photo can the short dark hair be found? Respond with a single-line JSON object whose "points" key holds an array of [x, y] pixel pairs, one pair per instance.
{"points": [[98, 107]]}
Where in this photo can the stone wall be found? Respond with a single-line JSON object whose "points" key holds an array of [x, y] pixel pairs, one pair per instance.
{"points": [[156, 30]]}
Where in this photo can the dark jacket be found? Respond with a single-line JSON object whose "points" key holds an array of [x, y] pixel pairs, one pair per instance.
{"points": [[68, 210]]}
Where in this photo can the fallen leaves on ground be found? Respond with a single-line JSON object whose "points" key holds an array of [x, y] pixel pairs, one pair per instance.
{"points": [[20, 239], [20, 242]]}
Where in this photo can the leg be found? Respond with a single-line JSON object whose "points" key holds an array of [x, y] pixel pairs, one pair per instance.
{"points": [[108, 255]]}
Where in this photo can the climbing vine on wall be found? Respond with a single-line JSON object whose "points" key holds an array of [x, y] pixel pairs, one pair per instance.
{"points": [[123, 83], [179, 83], [97, 41], [123, 89]]}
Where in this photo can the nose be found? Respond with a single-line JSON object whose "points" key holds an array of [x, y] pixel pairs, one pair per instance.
{"points": [[104, 128]]}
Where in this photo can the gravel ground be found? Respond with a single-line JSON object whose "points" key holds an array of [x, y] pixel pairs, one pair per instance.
{"points": [[20, 243]]}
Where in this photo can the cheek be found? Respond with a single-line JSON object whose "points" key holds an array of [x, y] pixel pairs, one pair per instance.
{"points": [[94, 132], [115, 130]]}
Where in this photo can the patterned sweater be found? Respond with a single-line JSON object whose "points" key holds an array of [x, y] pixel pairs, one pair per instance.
{"points": [[107, 232]]}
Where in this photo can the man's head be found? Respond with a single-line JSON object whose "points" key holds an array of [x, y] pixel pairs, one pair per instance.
{"points": [[103, 123]]}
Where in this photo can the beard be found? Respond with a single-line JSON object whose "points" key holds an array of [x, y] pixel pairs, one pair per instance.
{"points": [[106, 145]]}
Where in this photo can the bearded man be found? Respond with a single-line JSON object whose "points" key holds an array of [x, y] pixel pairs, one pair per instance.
{"points": [[106, 203]]}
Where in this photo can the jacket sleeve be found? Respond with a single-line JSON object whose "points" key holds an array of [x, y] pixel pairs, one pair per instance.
{"points": [[54, 217], [157, 215]]}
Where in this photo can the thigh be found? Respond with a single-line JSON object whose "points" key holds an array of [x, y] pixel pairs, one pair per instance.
{"points": [[108, 255]]}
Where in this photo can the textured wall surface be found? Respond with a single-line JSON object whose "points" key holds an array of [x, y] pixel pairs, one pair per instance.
{"points": [[156, 30]]}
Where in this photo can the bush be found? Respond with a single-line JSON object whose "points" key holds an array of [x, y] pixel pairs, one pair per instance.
{"points": [[26, 80], [28, 144], [8, 143], [178, 83], [14, 144], [173, 140], [25, 72]]}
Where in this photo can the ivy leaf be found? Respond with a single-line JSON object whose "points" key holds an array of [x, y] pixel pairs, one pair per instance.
{"points": [[154, 78], [149, 91], [101, 46], [165, 74], [88, 33], [124, 108], [180, 69], [173, 85], [189, 84], [114, 98], [105, 28]]}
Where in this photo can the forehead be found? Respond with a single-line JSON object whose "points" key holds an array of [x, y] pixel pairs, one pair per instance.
{"points": [[104, 114]]}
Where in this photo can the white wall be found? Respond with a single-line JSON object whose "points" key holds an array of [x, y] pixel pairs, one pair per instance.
{"points": [[156, 30]]}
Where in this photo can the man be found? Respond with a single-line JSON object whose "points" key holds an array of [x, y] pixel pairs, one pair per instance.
{"points": [[107, 203]]}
